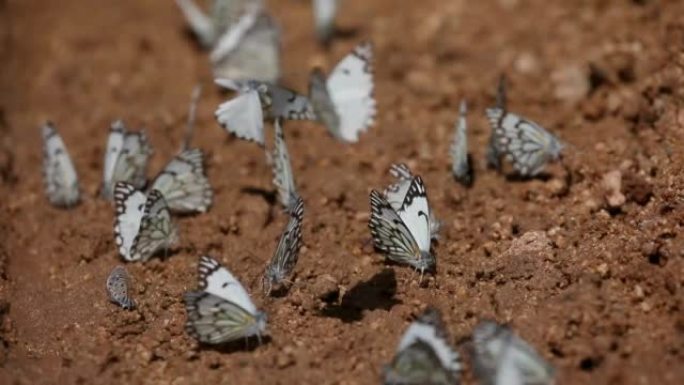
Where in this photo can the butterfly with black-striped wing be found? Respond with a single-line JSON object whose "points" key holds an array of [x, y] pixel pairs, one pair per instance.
{"points": [[344, 102], [221, 311], [527, 145], [255, 102], [59, 175], [184, 184], [461, 166], [223, 15], [502, 358], [126, 158], [283, 178], [403, 234], [143, 223], [395, 193], [424, 355], [285, 257]]}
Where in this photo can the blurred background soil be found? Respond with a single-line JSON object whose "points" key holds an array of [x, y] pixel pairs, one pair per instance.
{"points": [[587, 264]]}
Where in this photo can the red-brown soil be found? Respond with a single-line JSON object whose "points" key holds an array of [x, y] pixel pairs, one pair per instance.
{"points": [[589, 269]]}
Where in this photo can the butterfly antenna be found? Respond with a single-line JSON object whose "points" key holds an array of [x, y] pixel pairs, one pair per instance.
{"points": [[501, 93], [192, 114]]}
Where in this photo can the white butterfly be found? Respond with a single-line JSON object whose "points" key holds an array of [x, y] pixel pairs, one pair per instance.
{"points": [[324, 17], [223, 15], [492, 154], [525, 144], [59, 174], [126, 158], [249, 50], [396, 193], [460, 160], [424, 355], [143, 223], [222, 310], [285, 257], [283, 178], [256, 101], [344, 102], [183, 183], [403, 234], [502, 358], [118, 284]]}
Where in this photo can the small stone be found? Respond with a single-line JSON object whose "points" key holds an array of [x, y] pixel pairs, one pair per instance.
{"points": [[612, 184], [603, 270], [571, 83]]}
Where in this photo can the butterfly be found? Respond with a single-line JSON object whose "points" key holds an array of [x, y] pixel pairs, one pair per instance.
{"points": [[222, 310], [184, 184], [403, 234], [396, 193], [424, 355], [492, 154], [344, 101], [118, 284], [285, 258], [256, 101], [223, 15], [283, 178], [461, 166], [324, 17], [59, 174], [502, 358], [527, 145], [126, 158], [143, 223], [249, 50]]}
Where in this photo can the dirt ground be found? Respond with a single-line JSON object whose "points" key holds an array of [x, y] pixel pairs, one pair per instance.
{"points": [[586, 264]]}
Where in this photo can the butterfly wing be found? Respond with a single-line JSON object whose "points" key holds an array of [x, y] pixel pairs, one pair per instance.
{"points": [[227, 13], [249, 50], [213, 319], [216, 279], [324, 18], [415, 213], [460, 166], [287, 104], [396, 192], [157, 231], [131, 164], [243, 116], [118, 284], [130, 207], [183, 183], [350, 86], [59, 174], [200, 24], [417, 364], [430, 329], [285, 257], [283, 178], [322, 103], [114, 148]]}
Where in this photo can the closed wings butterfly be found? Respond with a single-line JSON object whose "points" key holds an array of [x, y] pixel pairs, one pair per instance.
{"points": [[403, 235], [126, 158], [184, 184], [324, 18], [461, 166], [424, 355], [255, 102], [143, 223], [344, 102], [221, 311], [396, 192], [527, 145], [283, 178], [285, 257], [502, 358], [249, 50], [119, 287], [59, 174], [222, 16]]}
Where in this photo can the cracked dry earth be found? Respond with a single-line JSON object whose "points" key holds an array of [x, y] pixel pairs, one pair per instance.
{"points": [[586, 264]]}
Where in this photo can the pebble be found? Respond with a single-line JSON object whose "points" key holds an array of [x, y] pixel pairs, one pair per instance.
{"points": [[612, 183], [571, 83]]}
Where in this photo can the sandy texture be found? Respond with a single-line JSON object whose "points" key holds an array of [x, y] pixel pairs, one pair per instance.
{"points": [[586, 264]]}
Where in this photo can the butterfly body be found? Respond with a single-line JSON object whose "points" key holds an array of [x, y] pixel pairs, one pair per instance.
{"points": [[59, 173], [460, 160], [424, 355], [283, 177], [503, 358], [126, 158], [527, 145], [143, 223], [221, 311], [287, 252]]}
